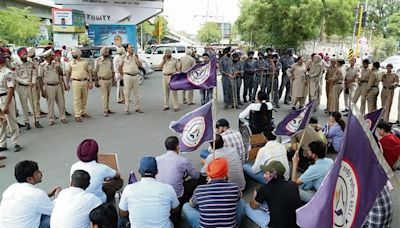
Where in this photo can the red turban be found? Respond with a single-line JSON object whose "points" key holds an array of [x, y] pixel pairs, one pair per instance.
{"points": [[87, 150], [57, 52], [21, 51], [218, 168]]}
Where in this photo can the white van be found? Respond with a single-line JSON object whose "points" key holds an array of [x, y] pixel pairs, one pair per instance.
{"points": [[156, 54]]}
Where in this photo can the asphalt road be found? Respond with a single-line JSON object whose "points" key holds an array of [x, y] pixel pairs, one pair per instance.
{"points": [[131, 137]]}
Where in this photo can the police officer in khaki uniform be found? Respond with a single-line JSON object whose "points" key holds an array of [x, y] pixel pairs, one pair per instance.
{"points": [[38, 85], [329, 82], [314, 77], [187, 62], [7, 106], [103, 72], [50, 73], [389, 82], [80, 73], [26, 76], [169, 66], [338, 79], [372, 87], [117, 61], [361, 90], [129, 68], [352, 74]]}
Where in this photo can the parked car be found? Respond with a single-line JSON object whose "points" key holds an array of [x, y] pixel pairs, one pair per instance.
{"points": [[156, 55], [395, 61], [93, 52]]}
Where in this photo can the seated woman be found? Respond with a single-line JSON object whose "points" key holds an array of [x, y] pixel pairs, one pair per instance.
{"points": [[334, 131], [259, 115]]}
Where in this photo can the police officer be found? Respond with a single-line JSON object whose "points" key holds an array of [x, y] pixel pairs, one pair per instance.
{"points": [[7, 106], [361, 90], [80, 73], [117, 61], [352, 73], [226, 68], [169, 66], [372, 87], [272, 79], [187, 62], [26, 77], [286, 61], [260, 78], [238, 71], [50, 73], [338, 79], [248, 77], [329, 83], [314, 77], [103, 72], [36, 90], [389, 82], [206, 94]]}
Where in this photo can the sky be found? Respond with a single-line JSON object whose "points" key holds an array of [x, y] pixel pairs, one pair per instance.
{"points": [[189, 15]]}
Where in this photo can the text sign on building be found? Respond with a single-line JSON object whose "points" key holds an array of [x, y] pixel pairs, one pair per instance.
{"points": [[68, 20]]}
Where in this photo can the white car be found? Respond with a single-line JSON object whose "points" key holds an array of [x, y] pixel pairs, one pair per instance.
{"points": [[395, 61], [156, 55]]}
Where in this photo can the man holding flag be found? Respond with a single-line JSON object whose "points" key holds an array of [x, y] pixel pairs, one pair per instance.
{"points": [[351, 187]]}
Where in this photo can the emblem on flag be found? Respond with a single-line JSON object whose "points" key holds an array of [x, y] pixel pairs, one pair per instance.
{"points": [[373, 118], [195, 128], [200, 76]]}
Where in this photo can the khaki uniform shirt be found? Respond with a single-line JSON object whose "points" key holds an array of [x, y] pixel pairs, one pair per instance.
{"points": [[389, 80], [339, 74], [352, 73], [130, 65], [171, 66], [6, 79], [310, 136], [373, 79], [49, 73], [79, 69], [329, 73], [187, 61], [103, 67], [25, 73], [364, 75]]}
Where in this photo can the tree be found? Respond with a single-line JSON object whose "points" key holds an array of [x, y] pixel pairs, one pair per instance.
{"points": [[380, 16], [18, 26], [383, 47], [209, 33]]}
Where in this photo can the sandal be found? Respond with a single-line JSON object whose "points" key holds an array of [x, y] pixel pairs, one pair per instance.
{"points": [[64, 121], [78, 119], [105, 114]]}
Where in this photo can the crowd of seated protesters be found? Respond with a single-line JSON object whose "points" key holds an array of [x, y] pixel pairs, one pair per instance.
{"points": [[172, 191]]}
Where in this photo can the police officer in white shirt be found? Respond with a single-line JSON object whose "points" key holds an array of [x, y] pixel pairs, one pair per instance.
{"points": [[73, 205], [23, 204]]}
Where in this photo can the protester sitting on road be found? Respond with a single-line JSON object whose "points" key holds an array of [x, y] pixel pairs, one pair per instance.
{"points": [[148, 202], [104, 216], [275, 203], [232, 138], [334, 131], [217, 203], [72, 206], [310, 181], [235, 171], [259, 115], [311, 133], [23, 204], [390, 145], [104, 181], [381, 212], [272, 151]]}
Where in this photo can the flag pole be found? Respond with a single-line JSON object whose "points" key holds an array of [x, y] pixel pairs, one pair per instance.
{"points": [[214, 114], [304, 130]]}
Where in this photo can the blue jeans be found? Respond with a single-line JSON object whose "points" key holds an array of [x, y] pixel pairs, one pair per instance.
{"points": [[258, 216], [258, 177], [306, 195], [44, 221], [192, 215]]}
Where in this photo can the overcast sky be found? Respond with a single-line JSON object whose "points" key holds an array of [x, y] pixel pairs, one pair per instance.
{"points": [[181, 13]]}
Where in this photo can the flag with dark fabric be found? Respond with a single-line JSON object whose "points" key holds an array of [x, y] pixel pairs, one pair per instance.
{"points": [[296, 121], [200, 76], [373, 118], [195, 128], [351, 187]]}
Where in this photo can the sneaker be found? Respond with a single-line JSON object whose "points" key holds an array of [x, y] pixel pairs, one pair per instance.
{"points": [[3, 148], [17, 148], [37, 125], [226, 107], [27, 126], [346, 110]]}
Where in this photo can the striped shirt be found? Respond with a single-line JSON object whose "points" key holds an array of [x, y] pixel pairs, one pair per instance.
{"points": [[217, 202]]}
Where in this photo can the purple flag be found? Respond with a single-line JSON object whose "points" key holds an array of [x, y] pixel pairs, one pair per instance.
{"points": [[373, 118], [200, 76], [351, 187], [195, 128], [296, 121]]}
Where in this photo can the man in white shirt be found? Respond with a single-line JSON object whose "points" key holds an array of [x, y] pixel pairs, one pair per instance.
{"points": [[23, 204], [272, 151], [87, 153], [148, 203], [73, 205]]}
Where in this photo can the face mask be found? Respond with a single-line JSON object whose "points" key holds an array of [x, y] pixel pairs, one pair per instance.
{"points": [[106, 55], [74, 56], [235, 60], [24, 59], [229, 55]]}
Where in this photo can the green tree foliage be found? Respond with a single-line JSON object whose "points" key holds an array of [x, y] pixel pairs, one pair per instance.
{"points": [[382, 16], [18, 26], [288, 23], [383, 47], [393, 26], [209, 33]]}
